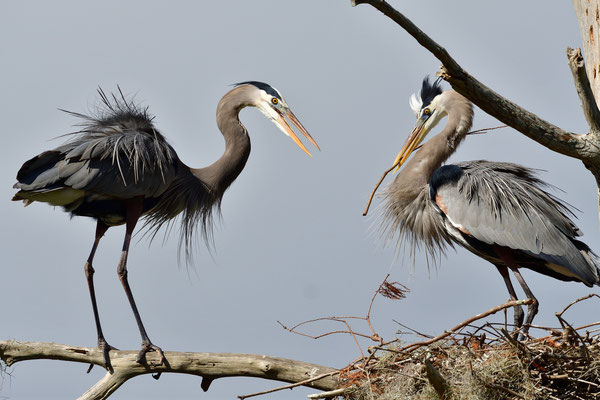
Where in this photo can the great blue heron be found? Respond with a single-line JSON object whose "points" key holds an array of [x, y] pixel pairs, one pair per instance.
{"points": [[499, 211], [118, 168]]}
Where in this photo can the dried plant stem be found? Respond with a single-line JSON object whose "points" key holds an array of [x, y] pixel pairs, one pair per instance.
{"points": [[491, 311], [291, 386]]}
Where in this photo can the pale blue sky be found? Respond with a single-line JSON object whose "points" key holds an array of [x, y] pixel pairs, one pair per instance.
{"points": [[293, 244]]}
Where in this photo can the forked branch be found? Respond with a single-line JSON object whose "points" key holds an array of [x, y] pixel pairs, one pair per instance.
{"points": [[209, 366]]}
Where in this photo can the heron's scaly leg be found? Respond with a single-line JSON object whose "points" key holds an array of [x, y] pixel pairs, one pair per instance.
{"points": [[518, 310], [134, 211], [532, 309], [89, 274]]}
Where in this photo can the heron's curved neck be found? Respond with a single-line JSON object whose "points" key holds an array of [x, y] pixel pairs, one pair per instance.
{"points": [[435, 152], [220, 175]]}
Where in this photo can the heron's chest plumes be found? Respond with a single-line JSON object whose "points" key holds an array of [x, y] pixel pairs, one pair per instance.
{"points": [[408, 214], [413, 219]]}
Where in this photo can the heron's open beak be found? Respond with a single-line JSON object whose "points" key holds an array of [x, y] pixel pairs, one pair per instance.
{"points": [[414, 139], [285, 127]]}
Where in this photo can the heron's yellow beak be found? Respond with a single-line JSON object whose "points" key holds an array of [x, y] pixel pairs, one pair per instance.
{"points": [[414, 139], [282, 123]]}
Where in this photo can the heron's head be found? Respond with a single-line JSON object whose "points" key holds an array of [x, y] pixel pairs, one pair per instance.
{"points": [[270, 102], [429, 108]]}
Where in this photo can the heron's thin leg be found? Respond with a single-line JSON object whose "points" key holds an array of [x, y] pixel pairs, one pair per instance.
{"points": [[134, 211], [89, 274], [518, 310], [532, 309]]}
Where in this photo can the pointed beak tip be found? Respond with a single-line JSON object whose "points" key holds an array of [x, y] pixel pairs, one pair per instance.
{"points": [[306, 151]]}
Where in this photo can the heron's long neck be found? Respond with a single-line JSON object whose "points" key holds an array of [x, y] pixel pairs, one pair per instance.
{"points": [[414, 176], [220, 174]]}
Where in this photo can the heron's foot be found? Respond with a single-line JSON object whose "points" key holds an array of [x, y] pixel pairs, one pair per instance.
{"points": [[105, 348], [532, 310], [519, 316], [146, 347]]}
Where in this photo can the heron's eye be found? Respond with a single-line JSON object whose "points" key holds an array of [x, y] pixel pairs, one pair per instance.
{"points": [[274, 100], [426, 111]]}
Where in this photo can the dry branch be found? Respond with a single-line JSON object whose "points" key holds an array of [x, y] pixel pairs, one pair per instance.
{"points": [[584, 90], [444, 335], [390, 290], [209, 366], [588, 18]]}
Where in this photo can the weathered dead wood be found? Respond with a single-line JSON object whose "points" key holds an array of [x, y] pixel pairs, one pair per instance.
{"points": [[209, 366], [584, 90], [588, 17]]}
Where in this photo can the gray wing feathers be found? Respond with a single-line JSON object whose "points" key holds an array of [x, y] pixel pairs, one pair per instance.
{"points": [[505, 204], [124, 165], [117, 154], [121, 165]]}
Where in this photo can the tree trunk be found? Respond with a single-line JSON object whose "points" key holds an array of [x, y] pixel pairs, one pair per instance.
{"points": [[588, 16]]}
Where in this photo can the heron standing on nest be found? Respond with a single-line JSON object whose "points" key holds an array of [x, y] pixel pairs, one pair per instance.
{"points": [[499, 211]]}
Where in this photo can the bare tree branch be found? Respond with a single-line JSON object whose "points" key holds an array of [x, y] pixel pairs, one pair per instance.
{"points": [[412, 346], [210, 366], [584, 147], [584, 90]]}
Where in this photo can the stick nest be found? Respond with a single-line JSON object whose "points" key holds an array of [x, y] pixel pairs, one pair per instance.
{"points": [[488, 364]]}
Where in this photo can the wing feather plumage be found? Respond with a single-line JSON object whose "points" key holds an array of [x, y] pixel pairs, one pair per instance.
{"points": [[506, 204]]}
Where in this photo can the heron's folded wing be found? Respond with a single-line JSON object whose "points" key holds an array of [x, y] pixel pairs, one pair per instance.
{"points": [[505, 204], [121, 164]]}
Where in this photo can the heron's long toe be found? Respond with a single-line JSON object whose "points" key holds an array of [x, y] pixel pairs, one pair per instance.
{"points": [[532, 310], [146, 347], [106, 348], [518, 321]]}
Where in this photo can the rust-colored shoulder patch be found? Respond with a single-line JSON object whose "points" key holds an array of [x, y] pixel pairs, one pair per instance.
{"points": [[440, 204], [444, 208]]}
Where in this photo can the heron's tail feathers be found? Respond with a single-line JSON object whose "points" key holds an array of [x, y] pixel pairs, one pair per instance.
{"points": [[592, 259]]}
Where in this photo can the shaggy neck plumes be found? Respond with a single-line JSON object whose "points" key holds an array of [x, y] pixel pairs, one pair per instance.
{"points": [[408, 214]]}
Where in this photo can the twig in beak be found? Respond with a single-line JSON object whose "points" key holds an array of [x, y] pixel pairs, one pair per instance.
{"points": [[479, 131], [484, 130], [377, 187]]}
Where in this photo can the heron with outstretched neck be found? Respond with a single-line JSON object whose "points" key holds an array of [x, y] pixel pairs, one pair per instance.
{"points": [[119, 168], [499, 211]]}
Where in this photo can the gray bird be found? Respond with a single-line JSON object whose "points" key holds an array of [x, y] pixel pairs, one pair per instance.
{"points": [[119, 168], [499, 211]]}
